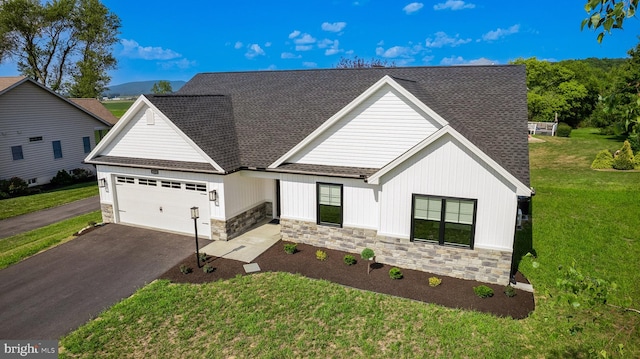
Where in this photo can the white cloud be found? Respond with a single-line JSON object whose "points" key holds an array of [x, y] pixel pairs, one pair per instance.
{"points": [[498, 33], [304, 39], [325, 43], [427, 59], [303, 47], [254, 50], [442, 39], [238, 45], [267, 44], [334, 49], [333, 27], [309, 64], [399, 51], [459, 60], [453, 5], [295, 33], [133, 50], [380, 43], [288, 55], [413, 7], [181, 64]]}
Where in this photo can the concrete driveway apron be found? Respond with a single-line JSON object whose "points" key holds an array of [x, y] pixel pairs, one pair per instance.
{"points": [[52, 293]]}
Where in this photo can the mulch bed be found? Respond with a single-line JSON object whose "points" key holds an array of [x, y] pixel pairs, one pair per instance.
{"points": [[452, 292]]}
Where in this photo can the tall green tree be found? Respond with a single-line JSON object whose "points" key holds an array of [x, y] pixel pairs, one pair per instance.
{"points": [[161, 87], [63, 44], [606, 15]]}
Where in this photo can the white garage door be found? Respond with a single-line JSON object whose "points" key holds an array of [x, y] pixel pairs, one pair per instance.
{"points": [[162, 204]]}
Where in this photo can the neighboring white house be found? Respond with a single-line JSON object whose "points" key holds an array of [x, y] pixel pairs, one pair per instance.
{"points": [[425, 165], [42, 132]]}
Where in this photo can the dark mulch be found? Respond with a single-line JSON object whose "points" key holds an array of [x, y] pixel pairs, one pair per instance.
{"points": [[453, 292]]}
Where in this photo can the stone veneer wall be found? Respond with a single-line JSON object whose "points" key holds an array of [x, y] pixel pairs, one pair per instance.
{"points": [[491, 266], [107, 212], [226, 230]]}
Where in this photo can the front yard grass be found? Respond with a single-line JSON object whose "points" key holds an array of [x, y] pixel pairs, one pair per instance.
{"points": [[15, 248], [590, 217], [12, 207]]}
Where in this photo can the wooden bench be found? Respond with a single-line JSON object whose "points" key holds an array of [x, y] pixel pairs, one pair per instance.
{"points": [[542, 128]]}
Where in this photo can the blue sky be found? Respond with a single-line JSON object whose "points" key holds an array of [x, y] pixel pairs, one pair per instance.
{"points": [[173, 40]]}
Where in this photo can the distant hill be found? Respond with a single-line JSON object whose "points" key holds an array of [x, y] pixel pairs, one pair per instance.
{"points": [[137, 88]]}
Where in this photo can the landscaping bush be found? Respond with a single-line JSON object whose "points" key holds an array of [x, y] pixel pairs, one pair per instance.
{"points": [[203, 257], [290, 248], [207, 268], [80, 175], [62, 178], [603, 161], [17, 187], [395, 273], [349, 260], [367, 253], [624, 160], [483, 291], [434, 281], [185, 269], [563, 130], [636, 161], [321, 255], [509, 291]]}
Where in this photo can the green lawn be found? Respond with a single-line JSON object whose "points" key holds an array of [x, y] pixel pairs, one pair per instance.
{"points": [[15, 248], [118, 108], [21, 205], [580, 215]]}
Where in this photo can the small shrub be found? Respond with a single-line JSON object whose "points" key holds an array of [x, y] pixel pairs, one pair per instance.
{"points": [[62, 178], [321, 255], [17, 187], [203, 257], [185, 269], [624, 160], [395, 273], [603, 161], [290, 248], [367, 253], [509, 291], [207, 268], [636, 161], [434, 281], [563, 130], [349, 260], [80, 174], [483, 291]]}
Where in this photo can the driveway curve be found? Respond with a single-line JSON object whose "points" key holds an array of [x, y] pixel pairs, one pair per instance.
{"points": [[52, 293]]}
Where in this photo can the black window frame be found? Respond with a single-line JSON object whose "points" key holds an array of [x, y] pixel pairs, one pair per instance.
{"points": [[86, 143], [318, 212], [442, 223], [16, 153], [57, 150]]}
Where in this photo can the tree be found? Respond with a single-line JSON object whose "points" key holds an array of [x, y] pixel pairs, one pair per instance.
{"points": [[608, 15], [358, 63], [62, 44], [161, 87]]}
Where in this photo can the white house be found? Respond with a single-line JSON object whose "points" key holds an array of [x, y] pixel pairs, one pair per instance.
{"points": [[425, 165], [42, 132]]}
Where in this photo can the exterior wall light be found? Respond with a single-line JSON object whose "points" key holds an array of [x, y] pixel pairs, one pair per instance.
{"points": [[213, 195]]}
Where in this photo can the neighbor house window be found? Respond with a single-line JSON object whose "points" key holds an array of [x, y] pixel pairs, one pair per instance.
{"points": [[86, 142], [57, 149], [443, 220], [329, 204], [16, 152]]}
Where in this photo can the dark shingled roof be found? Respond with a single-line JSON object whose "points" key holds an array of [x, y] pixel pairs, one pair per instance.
{"points": [[259, 116], [152, 163]]}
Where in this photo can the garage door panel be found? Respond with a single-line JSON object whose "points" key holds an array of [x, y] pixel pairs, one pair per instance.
{"points": [[165, 208]]}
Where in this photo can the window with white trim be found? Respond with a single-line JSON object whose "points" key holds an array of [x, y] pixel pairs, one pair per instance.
{"points": [[446, 221], [57, 149], [329, 200], [170, 184], [16, 153], [122, 179], [86, 143], [147, 182], [195, 187]]}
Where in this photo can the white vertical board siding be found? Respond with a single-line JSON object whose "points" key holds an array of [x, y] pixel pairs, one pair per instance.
{"points": [[243, 193], [445, 168], [377, 131], [216, 209], [30, 111], [157, 141], [299, 200]]}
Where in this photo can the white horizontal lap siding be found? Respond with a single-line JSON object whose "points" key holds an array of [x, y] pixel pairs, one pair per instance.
{"points": [[216, 209], [299, 200], [446, 169], [156, 141], [243, 193], [374, 133], [29, 111]]}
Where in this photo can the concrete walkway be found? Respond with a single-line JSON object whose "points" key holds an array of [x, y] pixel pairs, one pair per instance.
{"points": [[30, 221], [248, 246]]}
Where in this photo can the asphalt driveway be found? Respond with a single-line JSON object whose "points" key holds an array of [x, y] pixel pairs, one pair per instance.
{"points": [[54, 292]]}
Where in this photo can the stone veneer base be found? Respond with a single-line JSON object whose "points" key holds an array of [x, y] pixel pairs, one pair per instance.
{"points": [[107, 212], [233, 227], [484, 265]]}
